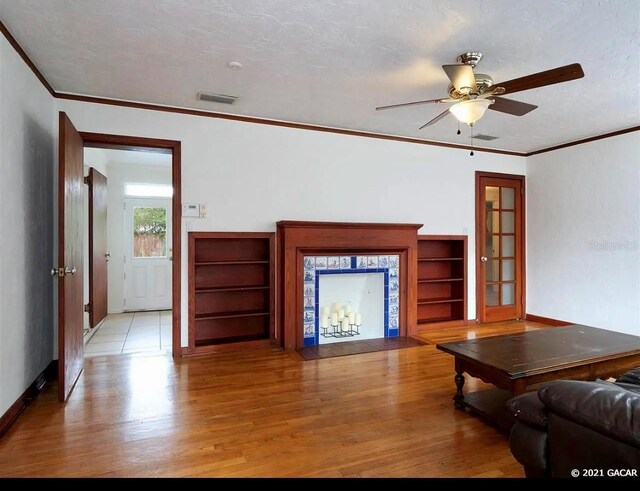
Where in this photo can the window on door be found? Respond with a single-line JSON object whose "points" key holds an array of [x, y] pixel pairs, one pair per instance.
{"points": [[149, 232]]}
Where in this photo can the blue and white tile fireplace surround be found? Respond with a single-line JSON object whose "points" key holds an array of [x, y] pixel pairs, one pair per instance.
{"points": [[345, 281], [350, 297]]}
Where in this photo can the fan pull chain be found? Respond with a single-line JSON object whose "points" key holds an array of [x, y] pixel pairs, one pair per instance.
{"points": [[471, 125], [458, 128]]}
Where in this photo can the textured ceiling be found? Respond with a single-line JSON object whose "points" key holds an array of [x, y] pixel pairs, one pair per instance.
{"points": [[331, 62]]}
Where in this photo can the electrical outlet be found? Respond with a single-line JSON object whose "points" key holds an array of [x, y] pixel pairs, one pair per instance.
{"points": [[203, 211]]}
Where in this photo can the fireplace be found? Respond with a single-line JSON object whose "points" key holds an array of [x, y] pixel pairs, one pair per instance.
{"points": [[360, 268], [348, 298]]}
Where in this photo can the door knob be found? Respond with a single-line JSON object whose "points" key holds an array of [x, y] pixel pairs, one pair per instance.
{"points": [[57, 272], [71, 271], [107, 254], [483, 259]]}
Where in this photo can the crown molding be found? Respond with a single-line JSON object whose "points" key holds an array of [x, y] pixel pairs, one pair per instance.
{"points": [[273, 122], [584, 140], [12, 41]]}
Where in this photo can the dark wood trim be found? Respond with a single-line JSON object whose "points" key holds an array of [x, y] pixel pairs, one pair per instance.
{"points": [[120, 142], [192, 348], [348, 225], [217, 348], [12, 41], [274, 122], [103, 140], [521, 244], [176, 240], [584, 140], [546, 320], [295, 239], [47, 375], [465, 261], [302, 126], [437, 326]]}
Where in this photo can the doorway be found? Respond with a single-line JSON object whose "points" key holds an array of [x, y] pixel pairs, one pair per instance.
{"points": [[500, 252], [147, 254], [71, 215], [137, 281]]}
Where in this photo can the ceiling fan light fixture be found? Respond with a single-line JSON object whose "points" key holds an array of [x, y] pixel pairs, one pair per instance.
{"points": [[470, 111]]}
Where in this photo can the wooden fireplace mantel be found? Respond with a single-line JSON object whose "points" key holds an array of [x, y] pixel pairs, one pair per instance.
{"points": [[297, 238]]}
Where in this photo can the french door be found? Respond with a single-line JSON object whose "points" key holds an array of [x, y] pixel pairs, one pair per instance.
{"points": [[500, 260]]}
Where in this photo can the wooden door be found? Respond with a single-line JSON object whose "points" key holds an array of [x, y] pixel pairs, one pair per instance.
{"points": [[148, 254], [98, 255], [70, 247], [500, 259]]}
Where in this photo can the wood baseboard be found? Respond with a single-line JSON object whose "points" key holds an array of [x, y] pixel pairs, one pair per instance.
{"points": [[547, 320], [431, 326], [217, 348], [47, 375]]}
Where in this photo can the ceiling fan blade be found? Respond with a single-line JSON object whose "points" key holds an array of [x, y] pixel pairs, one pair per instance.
{"points": [[436, 119], [549, 77], [461, 77], [415, 103], [510, 106]]}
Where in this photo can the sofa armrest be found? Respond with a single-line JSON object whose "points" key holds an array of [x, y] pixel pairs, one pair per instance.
{"points": [[528, 409], [631, 377], [603, 407]]}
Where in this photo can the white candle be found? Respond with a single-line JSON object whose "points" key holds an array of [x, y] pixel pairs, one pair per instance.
{"points": [[352, 318], [340, 314], [325, 311], [347, 309], [358, 319], [336, 307], [345, 324], [334, 319], [324, 321]]}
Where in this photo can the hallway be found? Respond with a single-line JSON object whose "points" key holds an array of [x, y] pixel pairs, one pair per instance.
{"points": [[131, 332]]}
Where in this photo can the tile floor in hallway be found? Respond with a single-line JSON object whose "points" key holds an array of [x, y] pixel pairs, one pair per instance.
{"points": [[131, 332]]}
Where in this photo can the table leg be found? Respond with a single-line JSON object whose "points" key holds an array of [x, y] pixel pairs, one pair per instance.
{"points": [[458, 399]]}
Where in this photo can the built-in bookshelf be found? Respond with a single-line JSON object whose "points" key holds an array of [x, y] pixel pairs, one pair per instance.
{"points": [[442, 279], [231, 293]]}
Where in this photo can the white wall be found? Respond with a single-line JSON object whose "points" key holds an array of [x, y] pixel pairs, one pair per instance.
{"points": [[583, 234], [119, 174], [27, 149], [252, 175], [96, 158]]}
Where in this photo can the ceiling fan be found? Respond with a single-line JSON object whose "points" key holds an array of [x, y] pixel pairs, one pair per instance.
{"points": [[473, 93]]}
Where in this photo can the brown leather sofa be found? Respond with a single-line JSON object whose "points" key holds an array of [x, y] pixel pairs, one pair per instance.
{"points": [[585, 428]]}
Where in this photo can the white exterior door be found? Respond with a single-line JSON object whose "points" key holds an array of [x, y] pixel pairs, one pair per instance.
{"points": [[148, 254]]}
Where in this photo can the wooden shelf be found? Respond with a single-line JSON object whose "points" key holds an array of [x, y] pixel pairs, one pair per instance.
{"points": [[231, 289], [442, 278], [434, 319], [430, 301], [431, 259], [438, 280], [231, 293], [231, 315], [221, 263]]}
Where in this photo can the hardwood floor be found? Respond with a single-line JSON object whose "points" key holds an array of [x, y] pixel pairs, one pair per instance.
{"points": [[262, 412]]}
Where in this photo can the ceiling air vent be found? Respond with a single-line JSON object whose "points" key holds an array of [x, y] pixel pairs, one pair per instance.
{"points": [[485, 137], [219, 98]]}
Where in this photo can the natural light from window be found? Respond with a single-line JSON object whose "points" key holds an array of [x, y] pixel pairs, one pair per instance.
{"points": [[148, 190]]}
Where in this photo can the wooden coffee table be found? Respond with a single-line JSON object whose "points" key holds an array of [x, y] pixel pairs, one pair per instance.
{"points": [[516, 363]]}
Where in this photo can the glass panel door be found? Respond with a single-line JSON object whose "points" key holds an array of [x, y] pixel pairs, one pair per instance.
{"points": [[499, 265]]}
